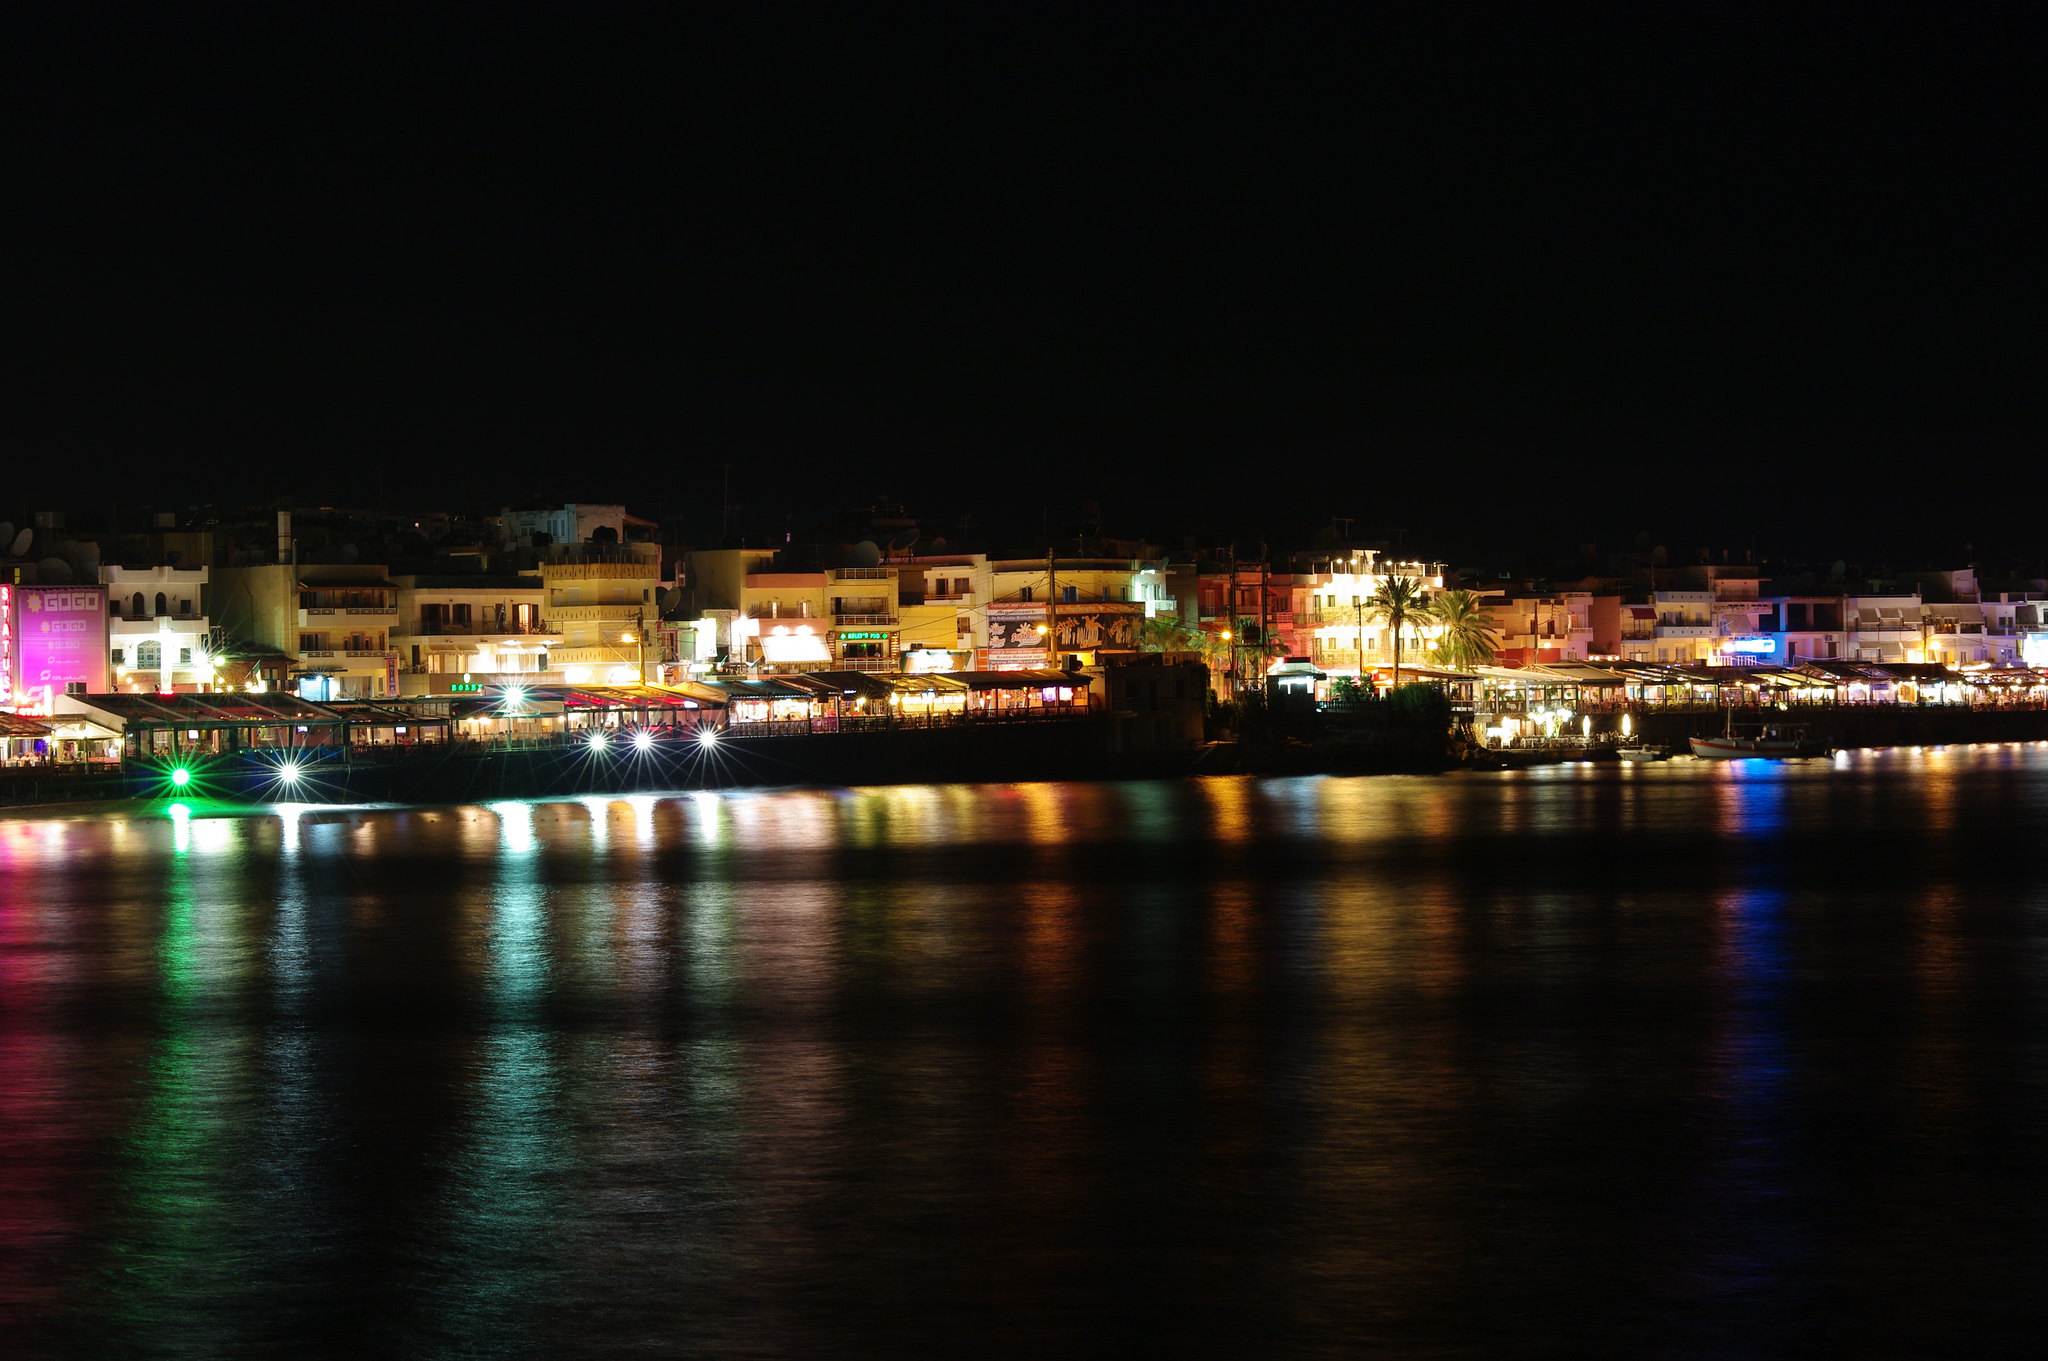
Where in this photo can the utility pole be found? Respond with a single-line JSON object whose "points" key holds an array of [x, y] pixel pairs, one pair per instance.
{"points": [[1358, 604], [1265, 603], [1230, 629], [1052, 614]]}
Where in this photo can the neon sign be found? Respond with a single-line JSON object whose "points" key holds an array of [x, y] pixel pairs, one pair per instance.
{"points": [[1751, 645], [6, 645]]}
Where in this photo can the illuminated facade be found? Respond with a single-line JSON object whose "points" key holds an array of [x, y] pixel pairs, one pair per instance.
{"points": [[1346, 640], [471, 630], [159, 635], [1041, 613], [598, 600], [333, 620]]}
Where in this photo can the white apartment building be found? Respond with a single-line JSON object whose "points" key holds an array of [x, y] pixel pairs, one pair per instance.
{"points": [[159, 636], [1346, 640]]}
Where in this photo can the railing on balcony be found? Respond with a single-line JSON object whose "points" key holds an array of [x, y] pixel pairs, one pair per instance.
{"points": [[861, 574], [477, 628], [585, 614], [838, 618]]}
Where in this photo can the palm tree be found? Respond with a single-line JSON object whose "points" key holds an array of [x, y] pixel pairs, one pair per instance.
{"points": [[1397, 600], [1166, 633], [1469, 635]]}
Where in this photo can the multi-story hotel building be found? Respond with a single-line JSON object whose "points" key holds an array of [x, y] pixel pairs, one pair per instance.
{"points": [[598, 599], [333, 620], [471, 629]]}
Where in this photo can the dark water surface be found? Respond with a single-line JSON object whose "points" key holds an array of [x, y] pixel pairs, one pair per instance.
{"points": [[1680, 1060]]}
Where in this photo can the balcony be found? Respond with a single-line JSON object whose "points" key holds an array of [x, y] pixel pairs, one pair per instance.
{"points": [[330, 616], [595, 614], [192, 625], [861, 574], [849, 619], [477, 628]]}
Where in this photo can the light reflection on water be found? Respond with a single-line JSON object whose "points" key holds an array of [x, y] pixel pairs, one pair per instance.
{"points": [[1688, 1058]]}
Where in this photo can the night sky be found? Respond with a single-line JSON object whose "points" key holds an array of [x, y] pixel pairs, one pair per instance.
{"points": [[1711, 277]]}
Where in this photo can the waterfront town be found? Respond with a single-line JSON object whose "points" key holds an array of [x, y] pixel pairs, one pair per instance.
{"points": [[196, 632]]}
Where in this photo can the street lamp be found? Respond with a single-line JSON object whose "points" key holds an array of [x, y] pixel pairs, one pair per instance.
{"points": [[640, 655]]}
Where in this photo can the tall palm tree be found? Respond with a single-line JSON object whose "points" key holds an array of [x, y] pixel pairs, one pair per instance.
{"points": [[1396, 601], [1470, 635]]}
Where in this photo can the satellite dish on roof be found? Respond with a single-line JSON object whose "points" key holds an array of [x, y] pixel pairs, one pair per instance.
{"points": [[864, 554], [349, 552], [671, 598], [903, 542], [20, 548], [53, 572]]}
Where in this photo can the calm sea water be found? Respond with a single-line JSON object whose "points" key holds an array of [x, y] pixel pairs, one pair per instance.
{"points": [[1681, 1060]]}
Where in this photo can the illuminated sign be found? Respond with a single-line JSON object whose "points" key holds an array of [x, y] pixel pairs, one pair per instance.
{"points": [[2033, 647], [59, 639], [6, 645], [871, 637], [1751, 645], [465, 688]]}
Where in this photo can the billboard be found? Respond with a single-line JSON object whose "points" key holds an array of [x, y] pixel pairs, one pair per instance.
{"points": [[1081, 626], [1013, 635], [59, 638], [1107, 624]]}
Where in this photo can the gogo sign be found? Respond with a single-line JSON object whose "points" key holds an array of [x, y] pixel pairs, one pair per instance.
{"points": [[59, 639]]}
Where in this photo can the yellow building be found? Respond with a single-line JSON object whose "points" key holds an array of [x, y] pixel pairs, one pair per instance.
{"points": [[598, 598]]}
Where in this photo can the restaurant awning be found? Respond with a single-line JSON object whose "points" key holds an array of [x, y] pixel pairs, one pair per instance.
{"points": [[1013, 680]]}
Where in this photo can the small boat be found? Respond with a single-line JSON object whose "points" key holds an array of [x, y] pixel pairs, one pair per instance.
{"points": [[1768, 740], [1644, 753]]}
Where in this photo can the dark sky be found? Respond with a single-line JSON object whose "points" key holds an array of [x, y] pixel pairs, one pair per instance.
{"points": [[1699, 274]]}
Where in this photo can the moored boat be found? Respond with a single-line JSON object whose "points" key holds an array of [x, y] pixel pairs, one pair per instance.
{"points": [[1642, 753], [1770, 741]]}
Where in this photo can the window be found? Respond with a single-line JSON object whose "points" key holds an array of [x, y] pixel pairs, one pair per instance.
{"points": [[148, 656], [1070, 595], [184, 656], [120, 657], [1025, 594], [961, 586], [163, 603], [136, 607]]}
